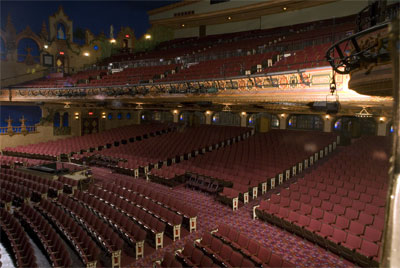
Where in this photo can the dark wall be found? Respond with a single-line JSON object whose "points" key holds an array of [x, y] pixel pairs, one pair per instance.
{"points": [[32, 114]]}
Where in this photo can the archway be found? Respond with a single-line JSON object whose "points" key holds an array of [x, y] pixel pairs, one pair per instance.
{"points": [[61, 31], [226, 119], [257, 119], [192, 118], [305, 122], [28, 51], [56, 119]]}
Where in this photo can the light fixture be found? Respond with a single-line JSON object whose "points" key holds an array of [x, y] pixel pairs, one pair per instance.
{"points": [[61, 52], [139, 106], [76, 113], [208, 112], [147, 36], [127, 36], [229, 18], [66, 106], [327, 116], [175, 111], [284, 8], [113, 41], [183, 25], [46, 46], [243, 113], [282, 115], [363, 113], [382, 119], [76, 117], [90, 113], [86, 54], [103, 115]]}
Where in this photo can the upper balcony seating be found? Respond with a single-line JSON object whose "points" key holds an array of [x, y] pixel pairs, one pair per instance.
{"points": [[208, 50]]}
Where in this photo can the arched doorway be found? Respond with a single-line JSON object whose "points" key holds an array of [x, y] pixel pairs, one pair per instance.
{"points": [[258, 120]]}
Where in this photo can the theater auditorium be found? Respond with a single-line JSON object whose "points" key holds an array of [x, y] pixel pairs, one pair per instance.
{"points": [[200, 133]]}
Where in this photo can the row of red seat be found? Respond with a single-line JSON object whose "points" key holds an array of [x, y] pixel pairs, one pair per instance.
{"points": [[84, 246], [188, 212], [70, 145], [128, 229], [55, 249], [174, 145], [15, 234], [100, 231], [12, 161], [340, 212]]}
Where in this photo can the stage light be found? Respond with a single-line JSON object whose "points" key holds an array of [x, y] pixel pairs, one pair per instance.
{"points": [[147, 36]]}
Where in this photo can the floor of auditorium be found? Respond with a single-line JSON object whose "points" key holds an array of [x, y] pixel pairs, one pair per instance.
{"points": [[211, 213]]}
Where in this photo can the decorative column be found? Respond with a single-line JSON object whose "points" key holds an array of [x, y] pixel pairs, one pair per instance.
{"points": [[243, 119], [208, 115], [61, 119], [23, 127], [283, 120], [382, 126], [327, 123], [9, 126], [175, 113]]}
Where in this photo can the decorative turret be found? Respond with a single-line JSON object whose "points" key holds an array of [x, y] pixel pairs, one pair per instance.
{"points": [[44, 34]]}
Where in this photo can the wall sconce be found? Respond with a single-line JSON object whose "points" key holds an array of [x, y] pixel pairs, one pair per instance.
{"points": [[327, 117], [103, 115], [46, 46], [243, 113], [208, 112], [112, 41], [147, 36], [76, 115], [86, 54], [282, 115], [175, 111], [382, 119]]}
